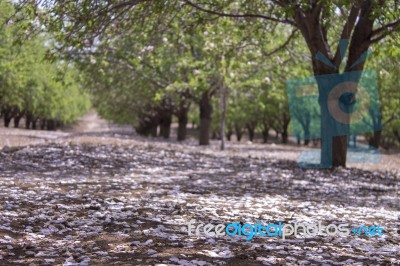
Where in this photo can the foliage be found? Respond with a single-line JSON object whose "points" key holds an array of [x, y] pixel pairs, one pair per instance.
{"points": [[32, 86]]}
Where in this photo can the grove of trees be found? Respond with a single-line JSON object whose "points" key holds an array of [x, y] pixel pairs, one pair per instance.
{"points": [[221, 64], [46, 93]]}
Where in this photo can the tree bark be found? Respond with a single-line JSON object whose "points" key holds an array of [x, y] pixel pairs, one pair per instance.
{"points": [[8, 115], [285, 127], [42, 124], [153, 131], [238, 132], [205, 118], [182, 114], [17, 119], [375, 140], [396, 133], [228, 134], [28, 120], [250, 130], [165, 126], [182, 123], [265, 134], [223, 96], [34, 123], [51, 125]]}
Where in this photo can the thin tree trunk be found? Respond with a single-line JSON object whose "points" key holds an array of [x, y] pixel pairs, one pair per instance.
{"points": [[34, 122], [165, 126], [250, 129], [51, 125], [7, 116], [396, 133], [205, 118], [17, 119], [182, 114], [42, 124], [285, 137], [265, 134], [182, 123], [153, 131], [285, 127], [375, 140], [223, 95], [228, 134], [238, 132], [28, 120]]}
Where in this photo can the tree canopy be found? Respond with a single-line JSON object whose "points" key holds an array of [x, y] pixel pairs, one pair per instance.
{"points": [[147, 62]]}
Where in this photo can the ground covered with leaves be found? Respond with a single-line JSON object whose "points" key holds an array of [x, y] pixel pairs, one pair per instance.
{"points": [[90, 204]]}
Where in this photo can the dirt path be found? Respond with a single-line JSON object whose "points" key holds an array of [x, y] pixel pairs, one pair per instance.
{"points": [[91, 204], [91, 129], [98, 194], [89, 124]]}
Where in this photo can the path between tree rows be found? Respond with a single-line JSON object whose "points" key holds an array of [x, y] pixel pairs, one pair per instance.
{"points": [[100, 195]]}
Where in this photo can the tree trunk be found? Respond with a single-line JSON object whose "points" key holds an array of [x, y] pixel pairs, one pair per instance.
{"points": [[238, 132], [182, 114], [214, 135], [223, 96], [285, 137], [7, 116], [333, 145], [205, 118], [51, 125], [17, 118], [375, 140], [306, 128], [250, 129], [265, 134], [333, 133], [42, 124], [285, 127], [153, 131], [228, 134], [28, 120], [396, 133], [34, 122], [182, 123], [7, 121], [165, 126]]}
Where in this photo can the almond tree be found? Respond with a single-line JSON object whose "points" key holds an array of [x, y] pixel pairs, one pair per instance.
{"points": [[362, 22]]}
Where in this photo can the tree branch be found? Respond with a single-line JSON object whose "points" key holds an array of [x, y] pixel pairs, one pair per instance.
{"points": [[283, 45], [346, 32], [361, 36], [245, 15], [384, 31]]}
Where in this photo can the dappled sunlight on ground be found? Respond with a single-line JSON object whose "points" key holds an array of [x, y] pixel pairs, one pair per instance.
{"points": [[130, 203], [99, 194]]}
